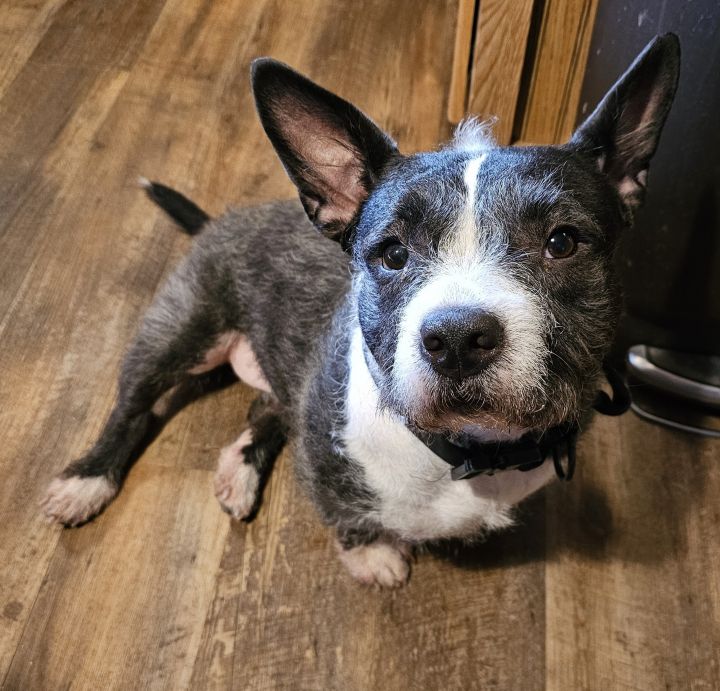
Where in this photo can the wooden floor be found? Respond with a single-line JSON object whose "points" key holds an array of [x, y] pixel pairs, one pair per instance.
{"points": [[610, 582]]}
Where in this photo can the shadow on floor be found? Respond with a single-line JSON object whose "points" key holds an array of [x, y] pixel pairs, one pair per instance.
{"points": [[630, 506]]}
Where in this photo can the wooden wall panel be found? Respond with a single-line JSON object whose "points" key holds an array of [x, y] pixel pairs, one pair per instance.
{"points": [[464, 31], [558, 66], [499, 54]]}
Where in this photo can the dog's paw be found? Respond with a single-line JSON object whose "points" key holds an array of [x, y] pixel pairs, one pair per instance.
{"points": [[237, 482], [74, 500], [379, 563]]}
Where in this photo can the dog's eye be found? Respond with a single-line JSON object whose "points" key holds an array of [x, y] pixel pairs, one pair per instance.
{"points": [[394, 256], [562, 243]]}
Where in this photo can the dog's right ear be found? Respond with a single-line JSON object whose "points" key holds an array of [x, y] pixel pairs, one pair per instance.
{"points": [[332, 152]]}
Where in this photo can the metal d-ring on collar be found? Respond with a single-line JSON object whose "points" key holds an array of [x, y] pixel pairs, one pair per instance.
{"points": [[469, 458]]}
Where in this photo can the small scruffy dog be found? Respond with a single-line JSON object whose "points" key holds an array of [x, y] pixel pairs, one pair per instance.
{"points": [[430, 350]]}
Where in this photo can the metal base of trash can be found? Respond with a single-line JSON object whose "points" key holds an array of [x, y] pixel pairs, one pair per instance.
{"points": [[678, 390]]}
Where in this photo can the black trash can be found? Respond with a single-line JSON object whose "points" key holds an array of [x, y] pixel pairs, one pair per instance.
{"points": [[670, 260]]}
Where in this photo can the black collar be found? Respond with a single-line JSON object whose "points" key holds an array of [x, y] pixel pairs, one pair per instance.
{"points": [[469, 458]]}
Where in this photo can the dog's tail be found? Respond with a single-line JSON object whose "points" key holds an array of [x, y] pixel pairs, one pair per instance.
{"points": [[188, 215]]}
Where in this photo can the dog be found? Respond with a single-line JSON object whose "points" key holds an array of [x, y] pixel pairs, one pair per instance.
{"points": [[427, 340]]}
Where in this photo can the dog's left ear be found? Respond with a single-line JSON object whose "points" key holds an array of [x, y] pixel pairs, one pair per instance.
{"points": [[623, 131], [332, 152]]}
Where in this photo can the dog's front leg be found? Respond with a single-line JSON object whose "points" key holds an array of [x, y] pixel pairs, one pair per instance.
{"points": [[375, 559], [245, 465]]}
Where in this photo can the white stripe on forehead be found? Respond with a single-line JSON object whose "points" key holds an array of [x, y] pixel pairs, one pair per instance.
{"points": [[463, 242], [470, 177]]}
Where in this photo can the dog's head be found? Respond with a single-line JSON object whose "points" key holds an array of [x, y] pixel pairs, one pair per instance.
{"points": [[483, 275]]}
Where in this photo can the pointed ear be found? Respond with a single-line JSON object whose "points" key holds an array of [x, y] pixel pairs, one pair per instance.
{"points": [[623, 131], [332, 152]]}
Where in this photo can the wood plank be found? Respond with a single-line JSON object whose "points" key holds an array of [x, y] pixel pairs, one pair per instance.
{"points": [[41, 296], [558, 67], [632, 576], [460, 76], [498, 58], [41, 344], [104, 583], [22, 27]]}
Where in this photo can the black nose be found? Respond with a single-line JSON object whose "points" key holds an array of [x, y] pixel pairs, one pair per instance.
{"points": [[461, 341]]}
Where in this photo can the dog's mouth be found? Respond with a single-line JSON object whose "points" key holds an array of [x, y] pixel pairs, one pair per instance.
{"points": [[454, 424], [455, 413], [454, 416]]}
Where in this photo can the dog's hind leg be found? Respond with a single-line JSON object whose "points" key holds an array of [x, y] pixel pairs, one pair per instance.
{"points": [[178, 332], [244, 466]]}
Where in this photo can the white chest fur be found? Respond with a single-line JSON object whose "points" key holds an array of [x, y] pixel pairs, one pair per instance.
{"points": [[418, 499]]}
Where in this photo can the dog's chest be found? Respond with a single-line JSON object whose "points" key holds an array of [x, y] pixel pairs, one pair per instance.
{"points": [[418, 499]]}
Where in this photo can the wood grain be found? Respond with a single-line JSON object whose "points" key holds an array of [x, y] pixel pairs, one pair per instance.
{"points": [[459, 78], [119, 602], [498, 58], [609, 582], [632, 579], [22, 27], [558, 66]]}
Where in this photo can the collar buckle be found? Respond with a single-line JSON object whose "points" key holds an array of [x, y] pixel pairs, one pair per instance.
{"points": [[468, 469], [523, 455]]}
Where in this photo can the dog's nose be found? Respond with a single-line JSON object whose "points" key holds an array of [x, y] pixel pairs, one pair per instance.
{"points": [[461, 341]]}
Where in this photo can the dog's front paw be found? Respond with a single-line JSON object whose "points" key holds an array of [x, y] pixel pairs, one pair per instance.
{"points": [[237, 482], [74, 500], [379, 563]]}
